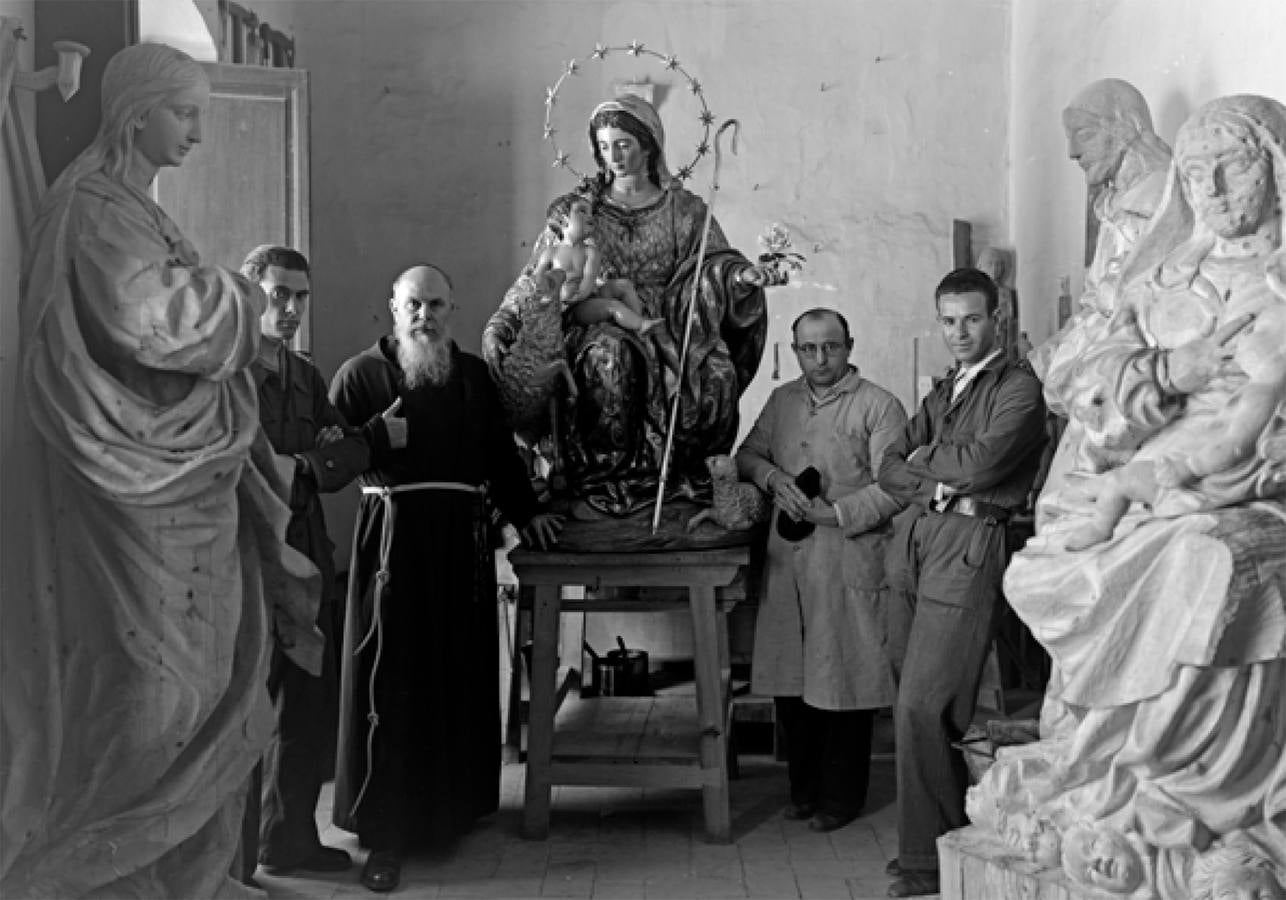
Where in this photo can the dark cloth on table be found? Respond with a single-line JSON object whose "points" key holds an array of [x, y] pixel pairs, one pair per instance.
{"points": [[424, 643], [986, 444]]}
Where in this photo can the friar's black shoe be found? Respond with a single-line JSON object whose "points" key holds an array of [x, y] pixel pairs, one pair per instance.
{"points": [[914, 883], [383, 871], [830, 821], [320, 859], [797, 812]]}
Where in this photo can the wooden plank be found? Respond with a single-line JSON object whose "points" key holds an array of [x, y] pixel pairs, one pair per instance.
{"points": [[540, 737], [734, 556], [596, 577], [711, 711], [624, 774]]}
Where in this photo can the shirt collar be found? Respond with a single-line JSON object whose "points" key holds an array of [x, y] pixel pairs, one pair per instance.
{"points": [[846, 384]]}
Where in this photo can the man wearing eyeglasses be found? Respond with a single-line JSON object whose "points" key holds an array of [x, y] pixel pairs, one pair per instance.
{"points": [[966, 463], [300, 422], [822, 647], [419, 743]]}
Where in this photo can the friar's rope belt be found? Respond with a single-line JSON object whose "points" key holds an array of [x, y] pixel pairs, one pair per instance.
{"points": [[382, 578]]}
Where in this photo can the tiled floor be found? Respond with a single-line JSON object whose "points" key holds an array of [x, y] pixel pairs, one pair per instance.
{"points": [[634, 844]]}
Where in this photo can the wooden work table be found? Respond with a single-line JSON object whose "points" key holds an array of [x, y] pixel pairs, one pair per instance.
{"points": [[637, 741]]}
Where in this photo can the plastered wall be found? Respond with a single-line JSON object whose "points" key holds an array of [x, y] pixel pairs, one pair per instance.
{"points": [[1179, 53], [867, 126]]}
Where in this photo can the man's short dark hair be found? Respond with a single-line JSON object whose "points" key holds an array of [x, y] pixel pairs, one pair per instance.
{"points": [[265, 255], [821, 312], [969, 281]]}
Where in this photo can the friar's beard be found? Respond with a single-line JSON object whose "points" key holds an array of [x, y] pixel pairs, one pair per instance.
{"points": [[425, 359]]}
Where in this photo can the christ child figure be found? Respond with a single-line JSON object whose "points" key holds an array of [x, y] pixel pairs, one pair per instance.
{"points": [[589, 298]]}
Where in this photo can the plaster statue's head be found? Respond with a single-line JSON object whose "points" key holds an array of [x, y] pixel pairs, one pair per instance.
{"points": [[1102, 123], [1101, 857], [997, 263], [1226, 185], [152, 100], [1235, 871], [1230, 160], [627, 138], [1035, 837], [422, 305]]}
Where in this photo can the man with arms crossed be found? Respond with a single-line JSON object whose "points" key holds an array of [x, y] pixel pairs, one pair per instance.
{"points": [[967, 460]]}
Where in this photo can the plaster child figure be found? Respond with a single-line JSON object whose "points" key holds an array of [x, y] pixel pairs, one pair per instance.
{"points": [[1233, 376], [590, 300]]}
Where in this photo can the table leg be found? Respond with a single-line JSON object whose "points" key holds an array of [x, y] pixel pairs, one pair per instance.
{"points": [[517, 671], [707, 653], [540, 713]]}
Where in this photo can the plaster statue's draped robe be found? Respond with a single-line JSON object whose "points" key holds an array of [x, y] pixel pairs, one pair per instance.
{"points": [[144, 528]]}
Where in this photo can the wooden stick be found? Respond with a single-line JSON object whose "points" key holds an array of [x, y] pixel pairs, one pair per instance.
{"points": [[692, 311]]}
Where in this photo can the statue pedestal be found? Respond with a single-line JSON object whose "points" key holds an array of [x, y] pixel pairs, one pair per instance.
{"points": [[975, 865]]}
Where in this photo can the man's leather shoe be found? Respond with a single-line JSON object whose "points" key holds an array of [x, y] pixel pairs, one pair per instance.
{"points": [[826, 821], [797, 812], [321, 859], [915, 884], [894, 868], [383, 871]]}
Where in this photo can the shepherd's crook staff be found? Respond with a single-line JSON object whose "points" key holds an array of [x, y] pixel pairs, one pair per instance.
{"points": [[692, 312]]}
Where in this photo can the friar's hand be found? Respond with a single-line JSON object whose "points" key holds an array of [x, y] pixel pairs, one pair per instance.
{"points": [[1191, 366], [541, 531], [395, 425], [763, 275]]}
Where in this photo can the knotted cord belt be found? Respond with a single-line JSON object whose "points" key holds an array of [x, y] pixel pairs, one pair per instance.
{"points": [[382, 578]]}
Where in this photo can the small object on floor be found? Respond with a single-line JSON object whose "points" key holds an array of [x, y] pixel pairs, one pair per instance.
{"points": [[894, 868], [797, 812], [383, 871], [913, 883], [825, 821], [321, 859]]}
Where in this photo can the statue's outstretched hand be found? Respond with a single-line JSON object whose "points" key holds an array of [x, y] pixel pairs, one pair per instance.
{"points": [[542, 530], [763, 275], [494, 350], [1191, 366]]}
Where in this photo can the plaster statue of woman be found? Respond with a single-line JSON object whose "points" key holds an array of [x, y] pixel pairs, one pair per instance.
{"points": [[1168, 637], [143, 527], [648, 231]]}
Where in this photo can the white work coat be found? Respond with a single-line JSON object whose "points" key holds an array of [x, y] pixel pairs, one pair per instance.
{"points": [[822, 631]]}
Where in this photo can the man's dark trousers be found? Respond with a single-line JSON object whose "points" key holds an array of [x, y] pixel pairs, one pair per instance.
{"points": [[300, 758], [953, 564]]}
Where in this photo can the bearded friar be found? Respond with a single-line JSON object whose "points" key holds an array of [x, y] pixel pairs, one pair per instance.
{"points": [[419, 748]]}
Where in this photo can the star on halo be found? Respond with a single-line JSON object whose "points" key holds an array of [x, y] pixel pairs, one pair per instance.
{"points": [[573, 67], [684, 174], [671, 62], [551, 96], [560, 161], [635, 48], [550, 131], [703, 148], [694, 86], [599, 51], [707, 117]]}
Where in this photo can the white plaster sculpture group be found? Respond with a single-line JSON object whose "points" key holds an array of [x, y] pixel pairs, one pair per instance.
{"points": [[1157, 578]]}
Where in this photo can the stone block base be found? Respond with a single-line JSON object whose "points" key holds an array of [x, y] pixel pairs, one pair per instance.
{"points": [[975, 865]]}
